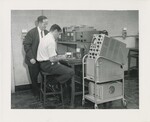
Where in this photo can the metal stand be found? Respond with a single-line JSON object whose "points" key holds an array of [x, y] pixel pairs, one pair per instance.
{"points": [[94, 98]]}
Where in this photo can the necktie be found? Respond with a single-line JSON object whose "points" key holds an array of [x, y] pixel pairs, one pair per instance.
{"points": [[56, 46], [41, 34]]}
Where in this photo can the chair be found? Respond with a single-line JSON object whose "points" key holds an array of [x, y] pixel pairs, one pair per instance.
{"points": [[133, 53], [44, 91]]}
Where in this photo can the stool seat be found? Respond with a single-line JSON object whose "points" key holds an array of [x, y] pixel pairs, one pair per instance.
{"points": [[44, 92]]}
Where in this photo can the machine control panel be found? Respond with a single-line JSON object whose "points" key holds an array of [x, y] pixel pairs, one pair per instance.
{"points": [[96, 45]]}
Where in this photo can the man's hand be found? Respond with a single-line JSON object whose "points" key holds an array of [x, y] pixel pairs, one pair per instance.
{"points": [[53, 59], [63, 57], [57, 58], [32, 61]]}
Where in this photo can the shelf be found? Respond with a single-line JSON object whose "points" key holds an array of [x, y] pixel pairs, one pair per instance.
{"points": [[102, 82], [126, 36], [99, 101], [73, 42]]}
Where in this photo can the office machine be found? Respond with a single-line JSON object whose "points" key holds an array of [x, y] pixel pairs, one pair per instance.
{"points": [[76, 33], [79, 36], [84, 36], [77, 28], [74, 37], [110, 49], [103, 69]]}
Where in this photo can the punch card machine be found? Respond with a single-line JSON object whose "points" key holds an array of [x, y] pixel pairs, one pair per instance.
{"points": [[103, 70]]}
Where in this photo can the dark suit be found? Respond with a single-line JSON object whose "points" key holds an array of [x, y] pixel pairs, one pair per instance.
{"points": [[31, 43]]}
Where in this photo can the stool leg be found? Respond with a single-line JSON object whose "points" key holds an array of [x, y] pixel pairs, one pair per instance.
{"points": [[40, 95], [62, 99], [41, 89], [44, 94]]}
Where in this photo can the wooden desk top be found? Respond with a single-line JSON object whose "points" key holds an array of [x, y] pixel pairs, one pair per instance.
{"points": [[72, 61]]}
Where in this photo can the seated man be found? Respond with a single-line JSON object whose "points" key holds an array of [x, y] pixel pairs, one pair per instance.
{"points": [[48, 58]]}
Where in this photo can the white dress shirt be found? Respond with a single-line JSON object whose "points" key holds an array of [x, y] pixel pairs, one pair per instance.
{"points": [[39, 30], [46, 48]]}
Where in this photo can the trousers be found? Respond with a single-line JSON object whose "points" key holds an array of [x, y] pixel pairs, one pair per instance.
{"points": [[61, 72], [34, 72]]}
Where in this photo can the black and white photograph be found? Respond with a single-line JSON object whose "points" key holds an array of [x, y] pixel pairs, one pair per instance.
{"points": [[75, 59], [70, 61]]}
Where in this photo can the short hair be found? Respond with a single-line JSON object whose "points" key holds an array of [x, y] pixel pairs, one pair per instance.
{"points": [[41, 18], [55, 27], [105, 32]]}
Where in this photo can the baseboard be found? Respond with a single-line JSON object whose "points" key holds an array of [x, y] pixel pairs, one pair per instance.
{"points": [[22, 87]]}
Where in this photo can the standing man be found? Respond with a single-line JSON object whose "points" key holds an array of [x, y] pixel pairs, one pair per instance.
{"points": [[31, 43], [48, 58]]}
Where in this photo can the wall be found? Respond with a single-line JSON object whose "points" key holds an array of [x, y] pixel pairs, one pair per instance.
{"points": [[12, 76], [20, 20], [112, 21]]}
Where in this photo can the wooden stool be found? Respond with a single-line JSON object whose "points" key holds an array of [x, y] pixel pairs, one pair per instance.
{"points": [[43, 88]]}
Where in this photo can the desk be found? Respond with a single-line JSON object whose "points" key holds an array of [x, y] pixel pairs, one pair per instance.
{"points": [[73, 63], [133, 53]]}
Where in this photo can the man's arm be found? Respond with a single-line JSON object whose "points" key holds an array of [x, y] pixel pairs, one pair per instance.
{"points": [[28, 45], [52, 54]]}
